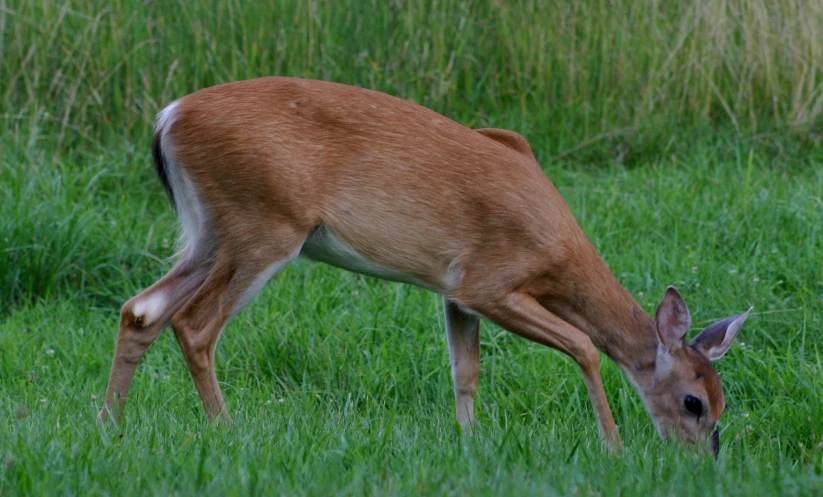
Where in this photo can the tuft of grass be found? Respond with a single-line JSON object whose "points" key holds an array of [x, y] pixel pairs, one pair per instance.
{"points": [[71, 229]]}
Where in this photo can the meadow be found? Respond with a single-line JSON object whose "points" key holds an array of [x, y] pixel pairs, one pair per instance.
{"points": [[685, 137]]}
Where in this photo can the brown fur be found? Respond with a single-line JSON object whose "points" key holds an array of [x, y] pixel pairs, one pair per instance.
{"points": [[411, 190]]}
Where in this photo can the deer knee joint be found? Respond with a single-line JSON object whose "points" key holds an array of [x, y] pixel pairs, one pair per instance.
{"points": [[586, 356]]}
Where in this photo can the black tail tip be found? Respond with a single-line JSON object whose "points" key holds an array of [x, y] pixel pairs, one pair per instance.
{"points": [[160, 166]]}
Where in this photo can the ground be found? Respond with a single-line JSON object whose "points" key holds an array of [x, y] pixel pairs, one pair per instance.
{"points": [[340, 384]]}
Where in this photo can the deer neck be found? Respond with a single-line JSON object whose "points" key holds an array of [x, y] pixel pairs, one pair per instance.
{"points": [[600, 307]]}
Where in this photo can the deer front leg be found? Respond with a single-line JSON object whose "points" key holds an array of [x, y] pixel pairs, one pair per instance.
{"points": [[524, 316], [463, 331]]}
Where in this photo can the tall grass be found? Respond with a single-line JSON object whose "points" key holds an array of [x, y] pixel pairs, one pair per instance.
{"points": [[589, 81], [568, 74]]}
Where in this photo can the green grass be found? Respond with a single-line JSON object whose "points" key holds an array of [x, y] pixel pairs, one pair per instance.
{"points": [[593, 79], [685, 137], [340, 384]]}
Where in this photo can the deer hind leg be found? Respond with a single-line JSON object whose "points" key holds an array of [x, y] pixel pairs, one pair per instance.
{"points": [[463, 332], [142, 319], [236, 278]]}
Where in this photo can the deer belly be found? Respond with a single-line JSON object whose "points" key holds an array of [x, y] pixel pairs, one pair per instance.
{"points": [[324, 246]]}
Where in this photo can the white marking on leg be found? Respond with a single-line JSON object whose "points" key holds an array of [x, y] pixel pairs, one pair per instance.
{"points": [[149, 308]]}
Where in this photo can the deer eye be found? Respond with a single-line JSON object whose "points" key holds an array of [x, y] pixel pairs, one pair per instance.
{"points": [[693, 405]]}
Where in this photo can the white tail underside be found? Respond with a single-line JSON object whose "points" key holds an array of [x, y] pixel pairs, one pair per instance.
{"points": [[191, 212]]}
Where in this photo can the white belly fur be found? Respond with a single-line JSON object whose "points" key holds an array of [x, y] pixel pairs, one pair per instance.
{"points": [[323, 246]]}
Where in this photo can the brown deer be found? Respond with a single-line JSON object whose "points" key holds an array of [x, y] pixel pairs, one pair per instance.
{"points": [[262, 171]]}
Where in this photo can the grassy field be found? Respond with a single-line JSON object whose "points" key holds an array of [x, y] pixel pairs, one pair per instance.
{"points": [[685, 138]]}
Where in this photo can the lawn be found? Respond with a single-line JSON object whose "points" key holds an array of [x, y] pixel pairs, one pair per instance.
{"points": [[339, 384]]}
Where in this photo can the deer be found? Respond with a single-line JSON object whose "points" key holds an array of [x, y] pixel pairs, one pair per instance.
{"points": [[265, 170]]}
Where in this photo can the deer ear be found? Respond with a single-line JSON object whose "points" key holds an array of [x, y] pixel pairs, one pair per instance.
{"points": [[673, 320], [717, 338]]}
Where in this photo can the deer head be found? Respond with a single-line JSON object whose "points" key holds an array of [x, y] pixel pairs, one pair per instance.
{"points": [[682, 390]]}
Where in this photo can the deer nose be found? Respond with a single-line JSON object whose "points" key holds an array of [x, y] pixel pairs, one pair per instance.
{"points": [[716, 442]]}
